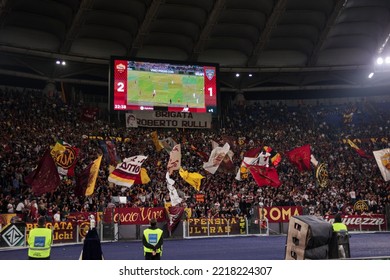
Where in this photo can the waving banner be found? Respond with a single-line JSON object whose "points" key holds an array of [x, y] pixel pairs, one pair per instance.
{"points": [[216, 157], [175, 198], [174, 162], [382, 158], [128, 171]]}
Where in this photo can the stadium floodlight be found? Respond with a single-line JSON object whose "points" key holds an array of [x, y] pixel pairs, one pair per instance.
{"points": [[250, 75], [237, 75], [379, 61], [371, 75], [387, 60], [60, 62]]}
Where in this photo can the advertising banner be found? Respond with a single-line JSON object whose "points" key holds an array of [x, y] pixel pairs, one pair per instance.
{"points": [[12, 235], [63, 232], [214, 226], [138, 216], [372, 222], [279, 214]]}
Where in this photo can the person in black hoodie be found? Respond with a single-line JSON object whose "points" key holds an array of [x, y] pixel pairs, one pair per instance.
{"points": [[92, 249]]}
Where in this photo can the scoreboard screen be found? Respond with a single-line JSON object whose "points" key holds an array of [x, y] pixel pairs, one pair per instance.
{"points": [[145, 84]]}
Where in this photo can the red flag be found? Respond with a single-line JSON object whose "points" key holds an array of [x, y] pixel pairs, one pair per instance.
{"points": [[174, 216], [300, 157], [45, 177], [89, 114], [111, 150], [265, 176], [201, 154], [253, 153]]}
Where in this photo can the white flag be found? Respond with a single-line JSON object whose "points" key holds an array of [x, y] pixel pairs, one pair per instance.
{"points": [[262, 159], [216, 157], [175, 198], [382, 158], [174, 162], [313, 160]]}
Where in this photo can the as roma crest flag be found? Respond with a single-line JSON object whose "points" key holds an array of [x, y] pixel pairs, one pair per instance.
{"points": [[65, 160], [300, 157], [45, 178], [265, 176]]}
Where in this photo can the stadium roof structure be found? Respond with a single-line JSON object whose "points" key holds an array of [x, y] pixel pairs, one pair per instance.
{"points": [[275, 45]]}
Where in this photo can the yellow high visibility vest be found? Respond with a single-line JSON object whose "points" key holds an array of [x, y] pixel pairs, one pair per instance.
{"points": [[339, 227], [39, 241], [152, 236]]}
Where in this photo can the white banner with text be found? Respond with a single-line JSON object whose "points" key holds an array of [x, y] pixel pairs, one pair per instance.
{"points": [[168, 119]]}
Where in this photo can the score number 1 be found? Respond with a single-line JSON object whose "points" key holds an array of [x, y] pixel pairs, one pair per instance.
{"points": [[210, 89]]}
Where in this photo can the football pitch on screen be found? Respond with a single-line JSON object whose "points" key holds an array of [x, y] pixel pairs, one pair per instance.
{"points": [[160, 89]]}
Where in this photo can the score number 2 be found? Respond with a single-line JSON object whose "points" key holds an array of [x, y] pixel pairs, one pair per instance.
{"points": [[121, 87]]}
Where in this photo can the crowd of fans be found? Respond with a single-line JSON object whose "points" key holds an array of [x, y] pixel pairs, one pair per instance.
{"points": [[30, 122]]}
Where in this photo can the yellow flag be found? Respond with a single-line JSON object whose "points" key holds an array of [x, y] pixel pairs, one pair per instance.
{"points": [[144, 176], [93, 173], [156, 142], [193, 178], [353, 145]]}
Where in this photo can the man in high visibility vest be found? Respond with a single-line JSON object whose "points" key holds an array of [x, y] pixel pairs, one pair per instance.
{"points": [[338, 225], [340, 229], [153, 241], [40, 240]]}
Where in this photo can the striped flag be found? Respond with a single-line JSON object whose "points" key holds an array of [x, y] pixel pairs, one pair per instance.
{"points": [[357, 149], [86, 180], [129, 172]]}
